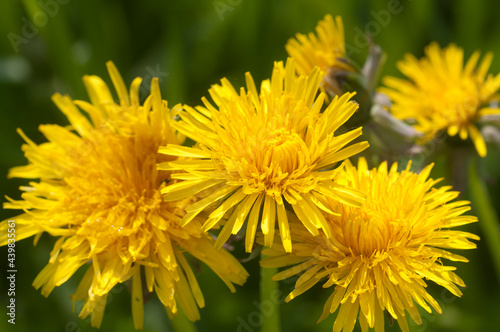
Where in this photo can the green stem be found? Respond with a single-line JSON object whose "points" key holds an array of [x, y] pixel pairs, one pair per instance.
{"points": [[488, 220], [181, 323], [269, 295]]}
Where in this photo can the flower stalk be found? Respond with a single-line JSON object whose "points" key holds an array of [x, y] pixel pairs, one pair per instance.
{"points": [[268, 295]]}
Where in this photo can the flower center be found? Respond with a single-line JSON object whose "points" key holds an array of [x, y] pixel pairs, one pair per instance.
{"points": [[457, 104], [270, 161], [283, 152], [380, 226], [466, 103], [128, 186]]}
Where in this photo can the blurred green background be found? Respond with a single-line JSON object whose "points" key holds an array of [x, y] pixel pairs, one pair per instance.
{"points": [[48, 45]]}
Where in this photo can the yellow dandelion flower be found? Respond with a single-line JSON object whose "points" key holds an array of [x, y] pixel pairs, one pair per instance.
{"points": [[381, 254], [441, 94], [99, 192], [260, 150], [325, 50]]}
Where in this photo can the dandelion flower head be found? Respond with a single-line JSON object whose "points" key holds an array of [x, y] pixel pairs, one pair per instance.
{"points": [[99, 193], [263, 151], [325, 49], [441, 94], [381, 255]]}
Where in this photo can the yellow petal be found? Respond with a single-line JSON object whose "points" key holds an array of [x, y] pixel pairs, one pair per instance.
{"points": [[478, 140]]}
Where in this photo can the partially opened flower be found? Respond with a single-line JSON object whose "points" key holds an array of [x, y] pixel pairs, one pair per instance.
{"points": [[441, 94], [381, 255], [325, 50], [264, 150], [99, 193]]}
